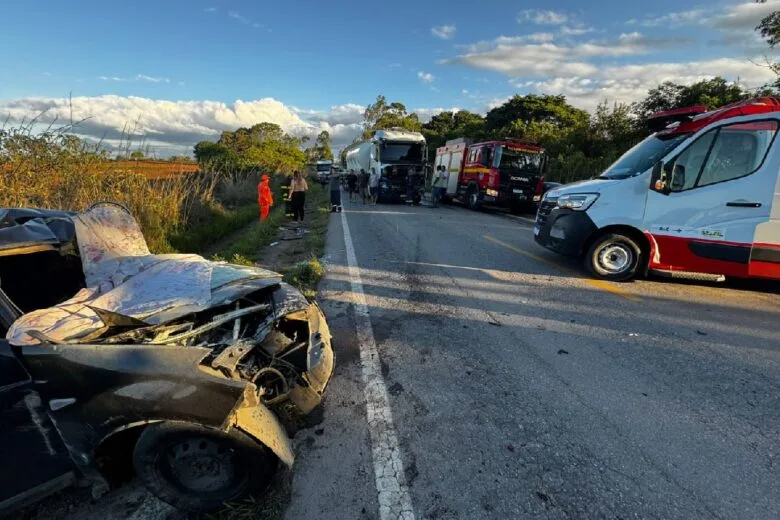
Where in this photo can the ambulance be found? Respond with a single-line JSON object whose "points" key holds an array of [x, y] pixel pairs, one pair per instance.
{"points": [[698, 199]]}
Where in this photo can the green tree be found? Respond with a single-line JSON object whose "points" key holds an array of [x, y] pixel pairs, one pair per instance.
{"points": [[138, 154], [381, 116], [322, 144], [264, 146], [769, 28], [534, 118], [448, 125]]}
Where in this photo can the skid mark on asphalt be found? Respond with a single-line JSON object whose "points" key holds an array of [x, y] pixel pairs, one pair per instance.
{"points": [[598, 284], [395, 500]]}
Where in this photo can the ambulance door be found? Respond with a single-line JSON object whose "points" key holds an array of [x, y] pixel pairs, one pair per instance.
{"points": [[704, 215]]}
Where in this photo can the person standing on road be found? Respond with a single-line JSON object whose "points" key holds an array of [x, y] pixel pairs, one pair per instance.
{"points": [[335, 193], [364, 189], [439, 185], [298, 189], [264, 197], [373, 184], [352, 182]]}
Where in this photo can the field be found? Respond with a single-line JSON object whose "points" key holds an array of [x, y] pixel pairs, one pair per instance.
{"points": [[151, 169]]}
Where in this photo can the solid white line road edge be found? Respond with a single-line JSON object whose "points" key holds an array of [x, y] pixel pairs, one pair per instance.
{"points": [[395, 500]]}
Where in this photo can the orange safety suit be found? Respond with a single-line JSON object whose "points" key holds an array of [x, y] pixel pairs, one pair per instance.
{"points": [[264, 197]]}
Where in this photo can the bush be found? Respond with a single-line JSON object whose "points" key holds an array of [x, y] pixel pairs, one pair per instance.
{"points": [[182, 212]]}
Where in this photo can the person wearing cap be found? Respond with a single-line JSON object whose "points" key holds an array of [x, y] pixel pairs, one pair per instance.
{"points": [[264, 197]]}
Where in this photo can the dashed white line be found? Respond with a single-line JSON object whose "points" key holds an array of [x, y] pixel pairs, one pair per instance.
{"points": [[395, 500]]}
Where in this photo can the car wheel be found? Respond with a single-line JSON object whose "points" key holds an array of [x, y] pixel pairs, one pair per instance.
{"points": [[614, 257], [200, 469], [472, 198]]}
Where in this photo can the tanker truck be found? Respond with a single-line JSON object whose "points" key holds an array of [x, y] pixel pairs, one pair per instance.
{"points": [[395, 157]]}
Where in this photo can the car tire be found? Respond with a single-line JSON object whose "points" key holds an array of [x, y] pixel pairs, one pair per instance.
{"points": [[614, 257], [199, 469], [472, 198]]}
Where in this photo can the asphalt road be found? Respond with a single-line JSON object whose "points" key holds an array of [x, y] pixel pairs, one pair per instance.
{"points": [[518, 388]]}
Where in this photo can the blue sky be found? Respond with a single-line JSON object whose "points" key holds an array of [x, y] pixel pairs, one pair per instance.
{"points": [[178, 68]]}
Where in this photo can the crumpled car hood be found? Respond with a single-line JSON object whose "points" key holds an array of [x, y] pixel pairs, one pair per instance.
{"points": [[123, 277]]}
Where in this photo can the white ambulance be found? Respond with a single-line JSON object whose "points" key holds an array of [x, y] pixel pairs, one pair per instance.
{"points": [[699, 198]]}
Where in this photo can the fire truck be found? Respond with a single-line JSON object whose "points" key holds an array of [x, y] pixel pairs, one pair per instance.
{"points": [[506, 173]]}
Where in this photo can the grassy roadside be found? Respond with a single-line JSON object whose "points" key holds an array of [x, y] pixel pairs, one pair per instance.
{"points": [[296, 260], [305, 269]]}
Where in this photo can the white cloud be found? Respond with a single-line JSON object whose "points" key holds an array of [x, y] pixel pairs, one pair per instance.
{"points": [[745, 16], [243, 19], [425, 77], [445, 32], [674, 19], [210, 10], [137, 77], [542, 17], [578, 30], [173, 125], [511, 55], [629, 83], [152, 79]]}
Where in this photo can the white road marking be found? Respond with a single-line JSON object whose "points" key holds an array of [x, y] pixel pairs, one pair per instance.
{"points": [[395, 500]]}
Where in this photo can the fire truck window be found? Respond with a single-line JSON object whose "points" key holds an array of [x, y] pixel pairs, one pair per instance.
{"points": [[486, 155], [473, 155], [739, 150]]}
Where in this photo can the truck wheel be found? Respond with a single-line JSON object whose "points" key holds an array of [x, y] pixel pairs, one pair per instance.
{"points": [[472, 198], [613, 257], [200, 469]]}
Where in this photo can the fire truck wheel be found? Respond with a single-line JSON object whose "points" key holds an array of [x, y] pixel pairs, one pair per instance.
{"points": [[614, 257], [472, 198]]}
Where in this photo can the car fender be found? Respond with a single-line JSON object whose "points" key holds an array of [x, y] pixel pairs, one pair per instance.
{"points": [[257, 421]]}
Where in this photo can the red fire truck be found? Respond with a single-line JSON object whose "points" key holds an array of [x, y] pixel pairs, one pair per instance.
{"points": [[506, 173]]}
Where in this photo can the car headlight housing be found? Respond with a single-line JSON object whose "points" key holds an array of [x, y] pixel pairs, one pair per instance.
{"points": [[577, 201]]}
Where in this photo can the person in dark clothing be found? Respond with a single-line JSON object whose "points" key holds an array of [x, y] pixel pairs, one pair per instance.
{"points": [[335, 193], [298, 189], [364, 189], [352, 181]]}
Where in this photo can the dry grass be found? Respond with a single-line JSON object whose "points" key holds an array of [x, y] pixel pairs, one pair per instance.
{"points": [[57, 170]]}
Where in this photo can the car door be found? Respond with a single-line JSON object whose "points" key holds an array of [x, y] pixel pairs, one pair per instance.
{"points": [[720, 189], [35, 461]]}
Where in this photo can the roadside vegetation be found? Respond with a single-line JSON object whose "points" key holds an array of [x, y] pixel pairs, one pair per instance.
{"points": [[183, 212]]}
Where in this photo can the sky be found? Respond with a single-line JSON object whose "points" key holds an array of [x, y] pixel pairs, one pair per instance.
{"points": [[174, 72]]}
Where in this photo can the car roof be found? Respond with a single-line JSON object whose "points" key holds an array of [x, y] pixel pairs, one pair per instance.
{"points": [[24, 228]]}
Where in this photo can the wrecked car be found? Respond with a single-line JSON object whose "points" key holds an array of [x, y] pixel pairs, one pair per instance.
{"points": [[176, 367]]}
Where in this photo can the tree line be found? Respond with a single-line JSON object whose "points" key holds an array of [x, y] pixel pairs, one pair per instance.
{"points": [[578, 144]]}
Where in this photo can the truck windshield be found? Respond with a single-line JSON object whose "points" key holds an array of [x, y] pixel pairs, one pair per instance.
{"points": [[323, 167], [401, 152], [642, 156], [509, 159]]}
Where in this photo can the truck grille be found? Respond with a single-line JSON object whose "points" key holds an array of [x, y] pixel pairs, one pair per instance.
{"points": [[545, 207]]}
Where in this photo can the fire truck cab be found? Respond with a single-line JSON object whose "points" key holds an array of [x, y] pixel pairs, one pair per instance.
{"points": [[698, 199], [506, 173]]}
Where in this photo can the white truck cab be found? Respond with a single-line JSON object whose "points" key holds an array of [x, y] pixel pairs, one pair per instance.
{"points": [[699, 198]]}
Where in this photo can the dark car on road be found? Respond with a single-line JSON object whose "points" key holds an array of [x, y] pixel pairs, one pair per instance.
{"points": [[173, 366]]}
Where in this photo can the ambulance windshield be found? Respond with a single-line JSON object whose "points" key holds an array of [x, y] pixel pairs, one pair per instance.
{"points": [[643, 156]]}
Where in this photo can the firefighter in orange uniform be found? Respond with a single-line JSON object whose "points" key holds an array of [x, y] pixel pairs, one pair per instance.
{"points": [[264, 197]]}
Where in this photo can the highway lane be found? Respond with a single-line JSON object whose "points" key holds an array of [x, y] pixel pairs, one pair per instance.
{"points": [[518, 388]]}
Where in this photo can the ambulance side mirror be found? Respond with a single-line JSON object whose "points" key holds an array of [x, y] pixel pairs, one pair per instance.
{"points": [[658, 181]]}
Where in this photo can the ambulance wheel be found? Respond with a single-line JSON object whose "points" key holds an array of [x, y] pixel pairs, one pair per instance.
{"points": [[472, 198], [614, 257]]}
